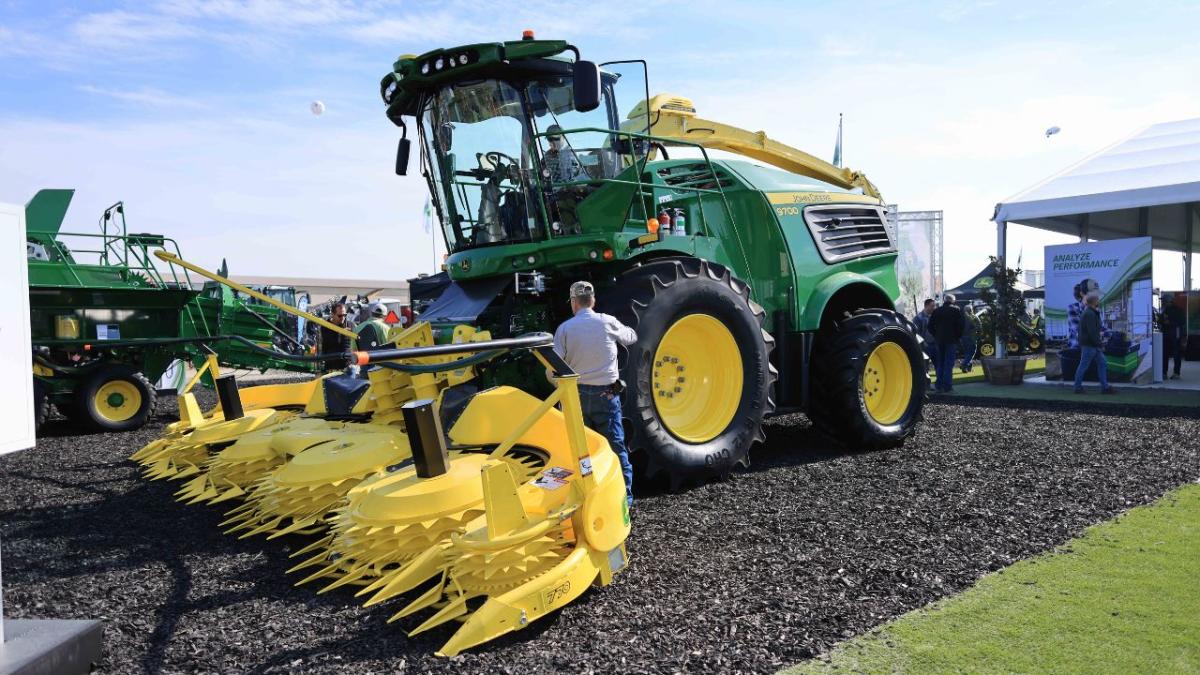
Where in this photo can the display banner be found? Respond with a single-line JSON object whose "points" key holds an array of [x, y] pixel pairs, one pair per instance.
{"points": [[16, 396], [1120, 271], [918, 237]]}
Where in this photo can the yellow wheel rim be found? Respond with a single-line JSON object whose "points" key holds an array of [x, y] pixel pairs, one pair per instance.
{"points": [[117, 401], [987, 349], [1035, 343], [697, 378], [887, 383]]}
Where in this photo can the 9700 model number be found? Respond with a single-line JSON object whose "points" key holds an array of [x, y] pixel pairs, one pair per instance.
{"points": [[787, 211]]}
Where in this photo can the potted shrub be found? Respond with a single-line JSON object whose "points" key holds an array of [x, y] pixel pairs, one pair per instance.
{"points": [[1005, 307]]}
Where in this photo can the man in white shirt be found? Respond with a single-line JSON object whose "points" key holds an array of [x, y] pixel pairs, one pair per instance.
{"points": [[588, 343]]}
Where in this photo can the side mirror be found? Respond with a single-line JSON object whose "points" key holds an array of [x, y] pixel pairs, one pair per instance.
{"points": [[586, 75], [402, 151]]}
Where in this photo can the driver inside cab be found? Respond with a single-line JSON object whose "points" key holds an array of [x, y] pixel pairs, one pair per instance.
{"points": [[563, 166]]}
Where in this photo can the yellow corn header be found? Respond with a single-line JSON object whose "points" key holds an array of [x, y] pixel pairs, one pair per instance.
{"points": [[509, 515]]}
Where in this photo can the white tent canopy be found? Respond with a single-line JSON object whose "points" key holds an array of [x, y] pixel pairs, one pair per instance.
{"points": [[1146, 185]]}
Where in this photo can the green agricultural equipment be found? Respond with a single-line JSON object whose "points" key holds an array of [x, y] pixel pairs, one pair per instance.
{"points": [[107, 323], [754, 290]]}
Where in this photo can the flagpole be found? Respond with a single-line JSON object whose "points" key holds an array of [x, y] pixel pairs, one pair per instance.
{"points": [[837, 148]]}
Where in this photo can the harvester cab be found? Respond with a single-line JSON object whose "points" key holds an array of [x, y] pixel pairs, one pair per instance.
{"points": [[753, 289]]}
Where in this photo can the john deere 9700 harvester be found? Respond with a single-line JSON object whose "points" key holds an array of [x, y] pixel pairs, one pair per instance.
{"points": [[753, 291], [774, 294]]}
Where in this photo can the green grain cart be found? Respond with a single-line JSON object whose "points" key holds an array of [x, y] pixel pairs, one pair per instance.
{"points": [[106, 323], [754, 290]]}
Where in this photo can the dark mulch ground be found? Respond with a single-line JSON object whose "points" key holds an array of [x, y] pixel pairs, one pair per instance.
{"points": [[809, 547]]}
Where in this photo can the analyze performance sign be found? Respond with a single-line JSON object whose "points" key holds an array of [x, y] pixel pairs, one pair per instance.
{"points": [[1120, 271]]}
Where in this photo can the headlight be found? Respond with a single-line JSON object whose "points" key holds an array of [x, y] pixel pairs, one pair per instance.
{"points": [[389, 92], [437, 65], [425, 68], [462, 59]]}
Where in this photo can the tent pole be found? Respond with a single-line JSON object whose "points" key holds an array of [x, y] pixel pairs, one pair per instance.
{"points": [[1001, 253], [1189, 245], [1084, 227]]}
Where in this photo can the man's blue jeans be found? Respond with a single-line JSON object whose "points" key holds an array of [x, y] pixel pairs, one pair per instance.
{"points": [[944, 367], [1086, 355], [602, 413]]}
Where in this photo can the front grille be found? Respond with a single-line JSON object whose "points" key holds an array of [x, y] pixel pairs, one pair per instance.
{"points": [[843, 232]]}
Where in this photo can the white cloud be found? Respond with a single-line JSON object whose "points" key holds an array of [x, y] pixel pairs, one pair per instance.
{"points": [[123, 30], [147, 97]]}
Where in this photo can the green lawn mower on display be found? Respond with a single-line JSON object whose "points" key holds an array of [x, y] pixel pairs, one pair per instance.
{"points": [[753, 290]]}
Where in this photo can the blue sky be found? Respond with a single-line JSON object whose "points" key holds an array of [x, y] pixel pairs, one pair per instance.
{"points": [[196, 113]]}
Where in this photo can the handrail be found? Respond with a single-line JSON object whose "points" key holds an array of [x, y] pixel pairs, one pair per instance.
{"points": [[644, 160]]}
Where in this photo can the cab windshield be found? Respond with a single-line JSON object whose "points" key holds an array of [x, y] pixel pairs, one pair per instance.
{"points": [[504, 163], [477, 135]]}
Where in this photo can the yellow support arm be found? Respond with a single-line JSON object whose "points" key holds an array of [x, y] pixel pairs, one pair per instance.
{"points": [[176, 260], [674, 117]]}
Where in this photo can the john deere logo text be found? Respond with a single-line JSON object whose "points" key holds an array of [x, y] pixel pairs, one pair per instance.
{"points": [[984, 282]]}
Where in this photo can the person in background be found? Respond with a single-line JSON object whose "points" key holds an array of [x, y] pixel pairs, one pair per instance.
{"points": [[1174, 334], [1036, 323], [588, 343], [921, 321], [373, 332], [1091, 345], [946, 324], [333, 342], [1075, 309], [969, 344]]}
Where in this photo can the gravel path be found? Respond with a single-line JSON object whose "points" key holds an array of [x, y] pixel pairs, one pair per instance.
{"points": [[749, 575]]}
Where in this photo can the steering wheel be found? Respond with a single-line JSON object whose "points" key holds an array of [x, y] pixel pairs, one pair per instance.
{"points": [[495, 157]]}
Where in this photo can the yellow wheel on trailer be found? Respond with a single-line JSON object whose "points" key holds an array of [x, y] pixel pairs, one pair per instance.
{"points": [[887, 383], [114, 397], [697, 378], [116, 401], [987, 349]]}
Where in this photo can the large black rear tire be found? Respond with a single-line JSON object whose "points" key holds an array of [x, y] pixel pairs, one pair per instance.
{"points": [[869, 380], [711, 408]]}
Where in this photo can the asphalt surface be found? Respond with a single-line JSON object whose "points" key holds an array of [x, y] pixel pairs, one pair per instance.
{"points": [[809, 547]]}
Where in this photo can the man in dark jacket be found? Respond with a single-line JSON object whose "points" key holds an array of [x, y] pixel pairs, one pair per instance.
{"points": [[1174, 332], [1091, 345], [921, 322], [946, 325], [333, 342]]}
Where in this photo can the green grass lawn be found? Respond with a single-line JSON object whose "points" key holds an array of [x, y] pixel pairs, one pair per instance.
{"points": [[1122, 598], [1125, 395]]}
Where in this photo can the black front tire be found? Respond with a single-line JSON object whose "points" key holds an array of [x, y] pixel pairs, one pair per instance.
{"points": [[838, 407], [87, 411], [650, 299]]}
